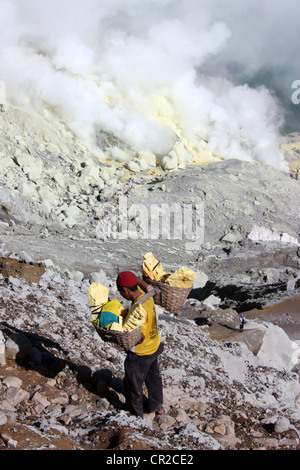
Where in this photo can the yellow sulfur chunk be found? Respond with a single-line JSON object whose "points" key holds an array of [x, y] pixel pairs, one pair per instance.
{"points": [[183, 277], [135, 318], [98, 298], [97, 294], [152, 268], [117, 326]]}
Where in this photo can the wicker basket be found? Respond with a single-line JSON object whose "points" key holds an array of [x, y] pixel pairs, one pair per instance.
{"points": [[125, 340], [170, 297]]}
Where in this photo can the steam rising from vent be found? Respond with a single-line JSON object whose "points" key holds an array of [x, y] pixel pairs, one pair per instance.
{"points": [[149, 73]]}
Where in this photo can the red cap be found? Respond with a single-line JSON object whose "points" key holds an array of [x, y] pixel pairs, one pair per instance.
{"points": [[126, 279]]}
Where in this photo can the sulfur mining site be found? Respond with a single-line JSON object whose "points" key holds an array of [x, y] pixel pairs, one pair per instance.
{"points": [[161, 138]]}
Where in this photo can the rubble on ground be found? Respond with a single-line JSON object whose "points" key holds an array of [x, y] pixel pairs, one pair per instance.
{"points": [[61, 386], [63, 226]]}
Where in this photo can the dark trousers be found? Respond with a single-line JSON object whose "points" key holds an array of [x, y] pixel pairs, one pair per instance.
{"points": [[139, 370]]}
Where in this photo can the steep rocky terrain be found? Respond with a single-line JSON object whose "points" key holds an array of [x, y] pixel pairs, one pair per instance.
{"points": [[62, 226], [61, 386], [58, 199]]}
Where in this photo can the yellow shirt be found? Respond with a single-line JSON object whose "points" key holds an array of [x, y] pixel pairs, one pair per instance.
{"points": [[149, 330]]}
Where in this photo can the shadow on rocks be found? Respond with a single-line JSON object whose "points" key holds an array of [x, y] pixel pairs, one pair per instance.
{"points": [[32, 351]]}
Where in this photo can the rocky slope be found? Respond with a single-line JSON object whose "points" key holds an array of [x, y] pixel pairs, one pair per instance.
{"points": [[61, 386], [55, 191], [62, 226]]}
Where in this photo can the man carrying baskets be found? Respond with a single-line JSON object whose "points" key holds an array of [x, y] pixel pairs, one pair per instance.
{"points": [[141, 363]]}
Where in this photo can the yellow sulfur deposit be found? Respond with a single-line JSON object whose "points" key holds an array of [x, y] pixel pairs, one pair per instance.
{"points": [[97, 294], [290, 146], [183, 277], [117, 326], [152, 267], [135, 318], [166, 113]]}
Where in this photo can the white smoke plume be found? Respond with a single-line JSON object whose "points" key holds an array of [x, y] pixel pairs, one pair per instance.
{"points": [[153, 71]]}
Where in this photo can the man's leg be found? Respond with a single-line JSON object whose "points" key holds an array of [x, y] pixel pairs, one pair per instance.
{"points": [[133, 383], [140, 369], [153, 382]]}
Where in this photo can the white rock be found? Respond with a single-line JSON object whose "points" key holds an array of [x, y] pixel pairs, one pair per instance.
{"points": [[12, 442], [181, 153], [112, 182], [27, 161], [212, 301], [264, 234], [16, 395], [28, 189], [69, 222], [207, 246], [61, 399], [182, 417], [34, 171], [277, 350], [12, 381], [40, 399], [48, 263], [193, 432], [271, 275], [90, 173], [104, 174], [59, 179], [76, 276], [134, 167], [14, 281], [3, 418], [7, 407], [99, 277], [166, 422], [143, 165], [73, 212], [230, 238], [282, 425], [146, 159], [6, 162], [107, 173], [170, 161], [22, 255], [201, 280], [48, 195], [75, 189]]}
